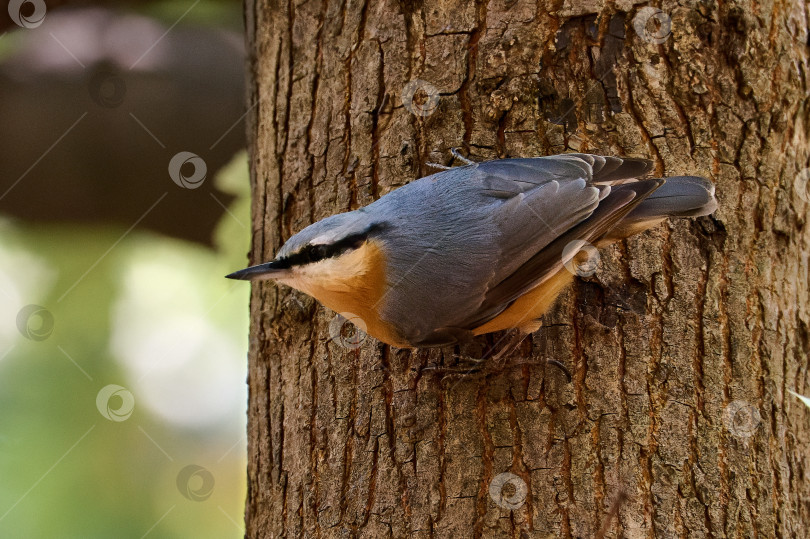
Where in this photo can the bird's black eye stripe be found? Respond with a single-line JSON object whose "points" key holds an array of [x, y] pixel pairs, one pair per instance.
{"points": [[314, 253]]}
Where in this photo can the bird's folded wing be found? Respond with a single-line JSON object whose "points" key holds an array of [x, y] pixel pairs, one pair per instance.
{"points": [[545, 204]]}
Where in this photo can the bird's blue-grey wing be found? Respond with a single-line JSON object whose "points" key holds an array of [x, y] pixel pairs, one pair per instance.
{"points": [[586, 200], [483, 224], [552, 258]]}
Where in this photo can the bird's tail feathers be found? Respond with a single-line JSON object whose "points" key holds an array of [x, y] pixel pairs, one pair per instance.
{"points": [[680, 196]]}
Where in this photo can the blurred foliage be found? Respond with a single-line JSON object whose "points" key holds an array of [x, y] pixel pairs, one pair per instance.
{"points": [[155, 316], [219, 13], [9, 43]]}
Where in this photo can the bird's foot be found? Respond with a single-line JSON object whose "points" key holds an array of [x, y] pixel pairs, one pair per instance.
{"points": [[456, 155], [491, 361], [562, 367], [494, 360], [437, 165], [465, 365]]}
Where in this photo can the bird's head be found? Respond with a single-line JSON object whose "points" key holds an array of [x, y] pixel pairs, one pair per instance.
{"points": [[325, 254]]}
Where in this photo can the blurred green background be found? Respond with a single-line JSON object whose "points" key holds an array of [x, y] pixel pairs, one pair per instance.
{"points": [[122, 390]]}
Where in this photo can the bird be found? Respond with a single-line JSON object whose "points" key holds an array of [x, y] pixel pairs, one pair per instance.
{"points": [[479, 248]]}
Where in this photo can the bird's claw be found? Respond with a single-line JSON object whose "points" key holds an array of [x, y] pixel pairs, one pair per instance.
{"points": [[457, 155], [437, 165], [476, 366], [562, 368]]}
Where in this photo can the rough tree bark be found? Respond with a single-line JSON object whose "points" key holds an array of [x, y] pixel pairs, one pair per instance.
{"points": [[683, 346]]}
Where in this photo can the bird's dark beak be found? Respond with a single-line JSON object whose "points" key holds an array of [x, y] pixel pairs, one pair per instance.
{"points": [[268, 270]]}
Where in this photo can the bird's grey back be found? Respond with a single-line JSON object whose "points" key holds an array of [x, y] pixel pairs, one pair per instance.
{"points": [[451, 239], [457, 232]]}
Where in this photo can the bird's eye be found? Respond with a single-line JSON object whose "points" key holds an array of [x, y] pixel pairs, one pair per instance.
{"points": [[321, 251], [317, 252], [313, 253]]}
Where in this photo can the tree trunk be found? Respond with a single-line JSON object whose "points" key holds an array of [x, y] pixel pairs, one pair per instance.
{"points": [[683, 345]]}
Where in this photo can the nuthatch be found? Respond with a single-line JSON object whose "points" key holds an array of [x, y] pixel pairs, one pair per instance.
{"points": [[477, 248]]}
